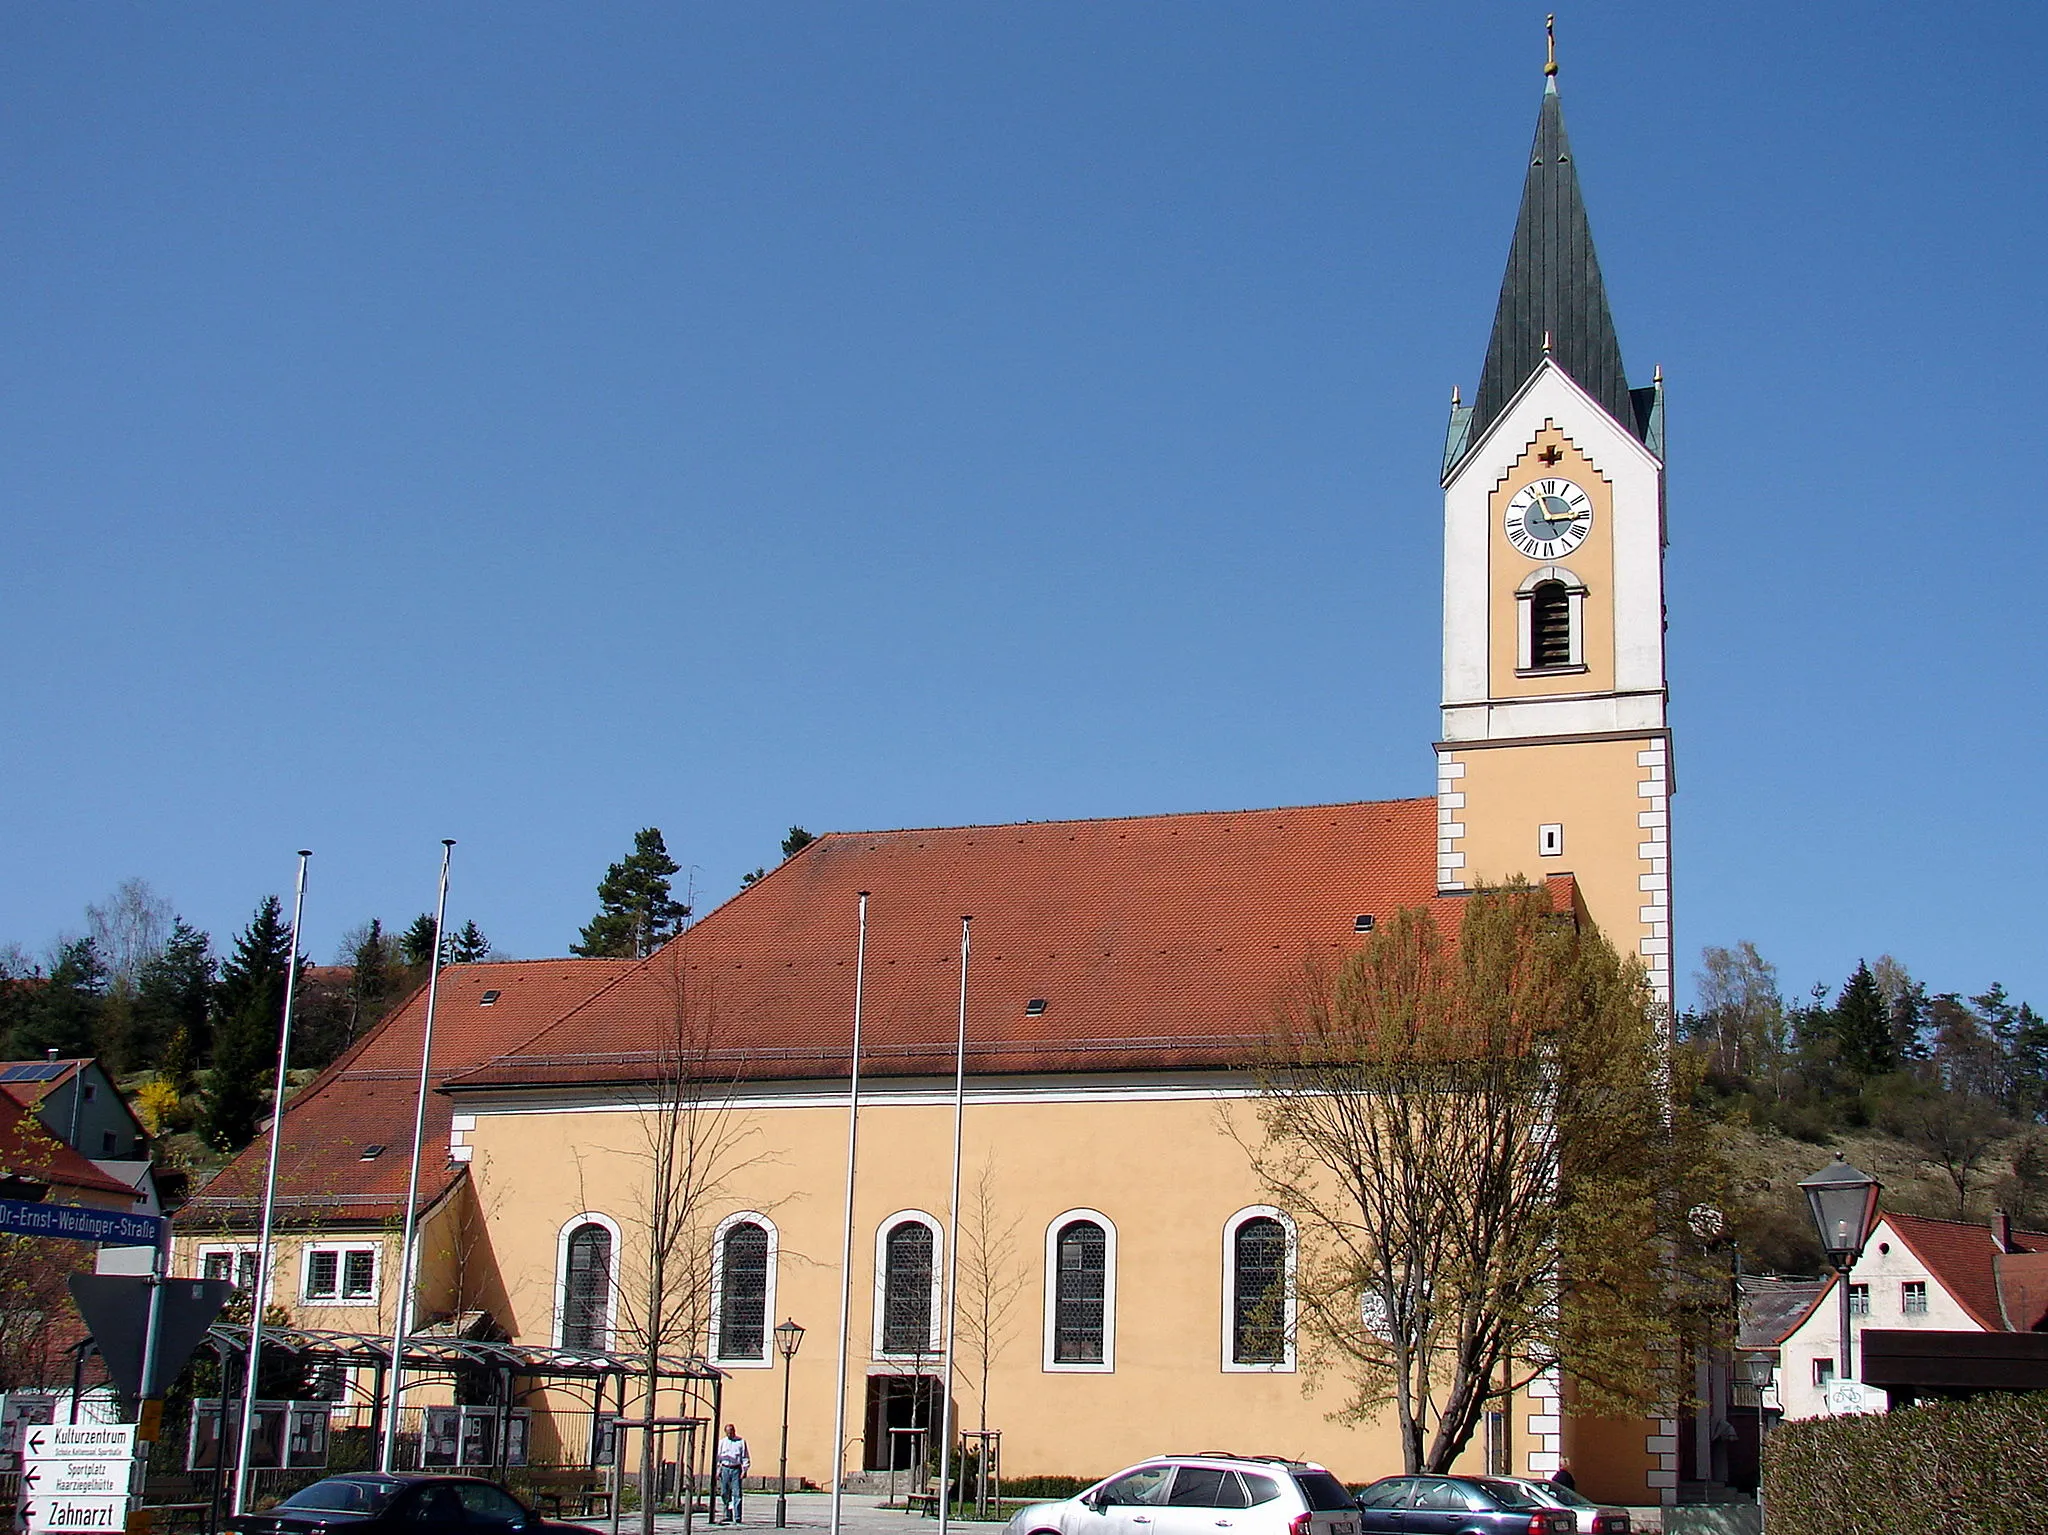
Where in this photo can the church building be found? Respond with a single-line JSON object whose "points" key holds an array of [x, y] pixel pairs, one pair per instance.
{"points": [[1116, 1245]]}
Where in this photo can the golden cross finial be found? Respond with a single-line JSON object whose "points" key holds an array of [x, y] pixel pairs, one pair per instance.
{"points": [[1550, 45]]}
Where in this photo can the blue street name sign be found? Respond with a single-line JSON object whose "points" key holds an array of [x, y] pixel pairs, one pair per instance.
{"points": [[80, 1223]]}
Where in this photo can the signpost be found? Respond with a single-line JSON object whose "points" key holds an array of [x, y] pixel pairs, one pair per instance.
{"points": [[82, 1223], [76, 1476]]}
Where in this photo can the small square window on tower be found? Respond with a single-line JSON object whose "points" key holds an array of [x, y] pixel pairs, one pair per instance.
{"points": [[1550, 841]]}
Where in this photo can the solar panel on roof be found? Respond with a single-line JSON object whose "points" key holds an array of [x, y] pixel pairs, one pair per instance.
{"points": [[33, 1071]]}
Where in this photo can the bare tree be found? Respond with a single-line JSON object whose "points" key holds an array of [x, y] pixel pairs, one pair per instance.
{"points": [[1488, 1164], [695, 1140], [991, 1280], [130, 928]]}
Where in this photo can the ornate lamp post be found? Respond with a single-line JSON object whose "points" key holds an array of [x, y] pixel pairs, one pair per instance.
{"points": [[789, 1338], [1844, 1206]]}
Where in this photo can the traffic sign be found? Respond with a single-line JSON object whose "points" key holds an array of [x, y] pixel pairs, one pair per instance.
{"points": [[74, 1513], [116, 1311], [81, 1223], [49, 1477], [78, 1441]]}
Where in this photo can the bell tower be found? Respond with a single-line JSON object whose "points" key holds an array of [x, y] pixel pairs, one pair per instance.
{"points": [[1555, 756]]}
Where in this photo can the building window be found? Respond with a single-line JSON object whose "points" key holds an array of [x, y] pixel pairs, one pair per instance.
{"points": [[1080, 1292], [587, 1286], [1550, 626], [910, 1262], [1258, 1290], [742, 1289], [1859, 1300], [1552, 618], [1913, 1297], [236, 1264], [1823, 1372], [340, 1273]]}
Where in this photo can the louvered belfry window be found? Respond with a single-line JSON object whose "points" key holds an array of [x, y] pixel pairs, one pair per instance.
{"points": [[743, 1292], [1077, 1324], [907, 1289], [1258, 1316], [586, 1287], [1550, 626]]}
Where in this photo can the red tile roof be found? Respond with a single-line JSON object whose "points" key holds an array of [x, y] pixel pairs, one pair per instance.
{"points": [[30, 1093], [1155, 942], [367, 1098], [29, 1152], [1959, 1256]]}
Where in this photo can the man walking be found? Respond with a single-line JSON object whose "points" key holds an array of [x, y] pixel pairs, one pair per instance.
{"points": [[732, 1469]]}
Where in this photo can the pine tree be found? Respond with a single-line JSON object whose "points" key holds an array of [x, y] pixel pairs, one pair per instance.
{"points": [[469, 945], [65, 1013], [416, 943], [1863, 1026], [636, 914], [171, 995], [248, 1023], [797, 840]]}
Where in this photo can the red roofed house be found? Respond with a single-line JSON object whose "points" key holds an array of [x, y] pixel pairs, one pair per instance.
{"points": [[1917, 1273], [1122, 972]]}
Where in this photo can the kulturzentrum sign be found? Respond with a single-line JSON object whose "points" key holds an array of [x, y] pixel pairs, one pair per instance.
{"points": [[81, 1223]]}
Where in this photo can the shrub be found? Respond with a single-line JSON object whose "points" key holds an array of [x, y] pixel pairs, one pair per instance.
{"points": [[1978, 1467], [1043, 1488]]}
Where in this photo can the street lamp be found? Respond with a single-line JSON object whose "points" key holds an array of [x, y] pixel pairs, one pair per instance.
{"points": [[789, 1338], [1844, 1206]]}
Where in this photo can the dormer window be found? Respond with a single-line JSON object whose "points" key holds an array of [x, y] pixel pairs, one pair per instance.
{"points": [[1552, 605]]}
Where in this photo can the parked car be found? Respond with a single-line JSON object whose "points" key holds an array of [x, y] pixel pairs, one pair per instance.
{"points": [[371, 1503], [1200, 1495], [1457, 1505], [1590, 1517]]}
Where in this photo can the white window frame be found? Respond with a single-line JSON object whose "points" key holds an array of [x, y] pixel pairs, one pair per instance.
{"points": [[611, 1295], [766, 1360], [1525, 619], [341, 1250], [1907, 1298], [1286, 1364], [1052, 1294], [938, 1231], [236, 1251]]}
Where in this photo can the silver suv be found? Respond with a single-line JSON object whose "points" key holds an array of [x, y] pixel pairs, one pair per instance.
{"points": [[1200, 1495]]}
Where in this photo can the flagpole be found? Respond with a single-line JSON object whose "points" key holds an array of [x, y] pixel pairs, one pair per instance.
{"points": [[402, 1322], [860, 963], [953, 1251], [260, 1290]]}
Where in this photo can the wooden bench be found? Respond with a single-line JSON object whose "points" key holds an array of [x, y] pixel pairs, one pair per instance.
{"points": [[925, 1503], [588, 1502]]}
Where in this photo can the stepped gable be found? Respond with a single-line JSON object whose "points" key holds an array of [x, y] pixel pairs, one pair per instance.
{"points": [[1155, 943], [366, 1098]]}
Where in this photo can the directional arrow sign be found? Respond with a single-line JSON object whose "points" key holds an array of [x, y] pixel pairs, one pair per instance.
{"points": [[74, 1513], [50, 1477], [78, 1441]]}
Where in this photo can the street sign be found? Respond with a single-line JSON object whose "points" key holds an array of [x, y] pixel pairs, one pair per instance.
{"points": [[74, 1514], [81, 1223], [50, 1477], [116, 1312], [78, 1441]]}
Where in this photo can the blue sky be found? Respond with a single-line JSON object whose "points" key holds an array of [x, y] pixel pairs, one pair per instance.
{"points": [[529, 423]]}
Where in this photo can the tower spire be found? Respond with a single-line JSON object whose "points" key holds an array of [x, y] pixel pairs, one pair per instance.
{"points": [[1552, 299]]}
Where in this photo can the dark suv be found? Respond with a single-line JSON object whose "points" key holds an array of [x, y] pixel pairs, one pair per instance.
{"points": [[1456, 1505]]}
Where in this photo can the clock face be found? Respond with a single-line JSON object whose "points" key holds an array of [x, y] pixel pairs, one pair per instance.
{"points": [[1548, 518]]}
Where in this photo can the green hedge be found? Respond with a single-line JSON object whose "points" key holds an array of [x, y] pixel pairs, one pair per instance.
{"points": [[1042, 1488], [1978, 1467]]}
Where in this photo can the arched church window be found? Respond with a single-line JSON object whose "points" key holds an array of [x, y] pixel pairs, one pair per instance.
{"points": [[743, 1257], [1080, 1280], [1550, 625], [907, 1289], [1258, 1292], [587, 1287]]}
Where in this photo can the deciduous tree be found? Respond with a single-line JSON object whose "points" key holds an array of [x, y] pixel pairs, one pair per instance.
{"points": [[1489, 1165]]}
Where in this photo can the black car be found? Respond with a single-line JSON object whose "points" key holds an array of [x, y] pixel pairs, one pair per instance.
{"points": [[1456, 1505], [372, 1503]]}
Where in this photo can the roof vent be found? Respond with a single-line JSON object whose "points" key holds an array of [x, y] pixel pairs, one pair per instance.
{"points": [[371, 1153], [1362, 923], [488, 997], [1034, 1007]]}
